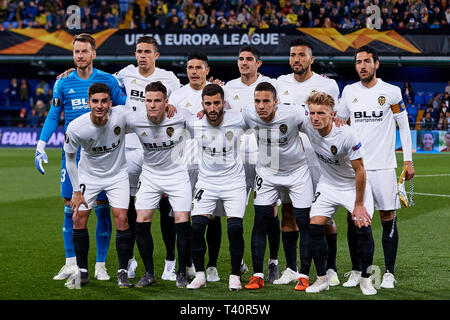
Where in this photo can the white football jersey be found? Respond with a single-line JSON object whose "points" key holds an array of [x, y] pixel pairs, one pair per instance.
{"points": [[163, 143], [280, 148], [238, 94], [293, 91], [220, 165], [372, 112], [135, 84], [334, 152], [102, 148], [187, 98]]}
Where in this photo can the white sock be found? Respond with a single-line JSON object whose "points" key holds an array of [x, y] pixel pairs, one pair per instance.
{"points": [[261, 275], [71, 260]]}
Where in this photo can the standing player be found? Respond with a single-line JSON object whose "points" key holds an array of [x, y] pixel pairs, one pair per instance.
{"points": [[342, 183], [221, 178], [238, 94], [281, 167], [135, 79], [70, 95], [189, 97], [102, 166], [163, 172], [374, 107], [295, 88]]}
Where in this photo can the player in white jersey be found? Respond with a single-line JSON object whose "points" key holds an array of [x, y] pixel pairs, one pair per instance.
{"points": [[221, 178], [189, 97], [238, 94], [102, 166], [163, 172], [281, 167], [342, 183], [295, 88], [135, 79], [374, 107]]}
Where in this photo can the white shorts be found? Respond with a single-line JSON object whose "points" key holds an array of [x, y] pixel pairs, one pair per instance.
{"points": [[296, 187], [135, 159], [328, 198], [384, 189], [178, 189], [193, 177], [206, 201], [117, 191]]}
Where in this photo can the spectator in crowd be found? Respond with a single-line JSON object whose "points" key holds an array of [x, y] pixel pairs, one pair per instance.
{"points": [[408, 93], [427, 122], [33, 119], [12, 94], [446, 98], [21, 121], [24, 94], [433, 112], [435, 101], [447, 87], [201, 21], [443, 108], [442, 122]]}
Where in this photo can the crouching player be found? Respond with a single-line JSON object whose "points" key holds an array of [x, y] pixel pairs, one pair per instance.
{"points": [[102, 166], [342, 183]]}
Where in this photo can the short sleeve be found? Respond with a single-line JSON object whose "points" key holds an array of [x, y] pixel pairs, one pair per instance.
{"points": [[353, 144], [341, 108], [70, 140]]}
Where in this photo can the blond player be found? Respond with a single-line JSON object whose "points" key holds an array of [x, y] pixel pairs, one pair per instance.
{"points": [[342, 183]]}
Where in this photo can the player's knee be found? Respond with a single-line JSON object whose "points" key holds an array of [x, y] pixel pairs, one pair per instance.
{"points": [[199, 224], [364, 233], [301, 216], [316, 231], [235, 226], [387, 215]]}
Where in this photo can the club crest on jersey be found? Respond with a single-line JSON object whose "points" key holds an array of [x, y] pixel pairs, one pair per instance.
{"points": [[333, 149], [283, 128], [133, 81], [355, 101], [169, 131], [117, 130], [143, 134], [286, 92], [188, 105], [381, 100], [236, 97], [229, 135]]}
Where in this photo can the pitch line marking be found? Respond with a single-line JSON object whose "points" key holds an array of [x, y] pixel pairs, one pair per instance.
{"points": [[433, 195]]}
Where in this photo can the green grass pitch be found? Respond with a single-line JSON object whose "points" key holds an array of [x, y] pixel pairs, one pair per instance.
{"points": [[31, 245]]}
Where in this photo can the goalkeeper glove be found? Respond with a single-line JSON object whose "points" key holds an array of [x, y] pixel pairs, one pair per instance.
{"points": [[40, 156]]}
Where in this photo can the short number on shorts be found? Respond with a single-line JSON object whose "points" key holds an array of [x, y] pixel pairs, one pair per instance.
{"points": [[258, 182], [83, 188], [198, 194], [316, 196], [63, 175]]}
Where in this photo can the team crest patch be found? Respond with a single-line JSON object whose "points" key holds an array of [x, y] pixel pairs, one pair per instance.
{"points": [[169, 131], [283, 128], [236, 97], [66, 138], [117, 130], [229, 135], [333, 150], [144, 134], [256, 128], [286, 92], [381, 100]]}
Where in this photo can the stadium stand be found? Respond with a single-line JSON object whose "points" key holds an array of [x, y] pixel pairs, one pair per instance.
{"points": [[143, 14]]}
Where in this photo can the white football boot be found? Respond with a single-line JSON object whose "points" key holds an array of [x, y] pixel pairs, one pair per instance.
{"points": [[234, 284], [198, 282], [354, 277], [212, 275], [100, 272], [388, 281], [319, 285], [333, 279], [287, 276]]}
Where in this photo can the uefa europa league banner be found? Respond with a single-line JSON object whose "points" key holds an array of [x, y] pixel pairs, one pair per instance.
{"points": [[326, 41]]}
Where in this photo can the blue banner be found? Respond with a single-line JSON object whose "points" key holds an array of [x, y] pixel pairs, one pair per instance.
{"points": [[12, 137]]}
